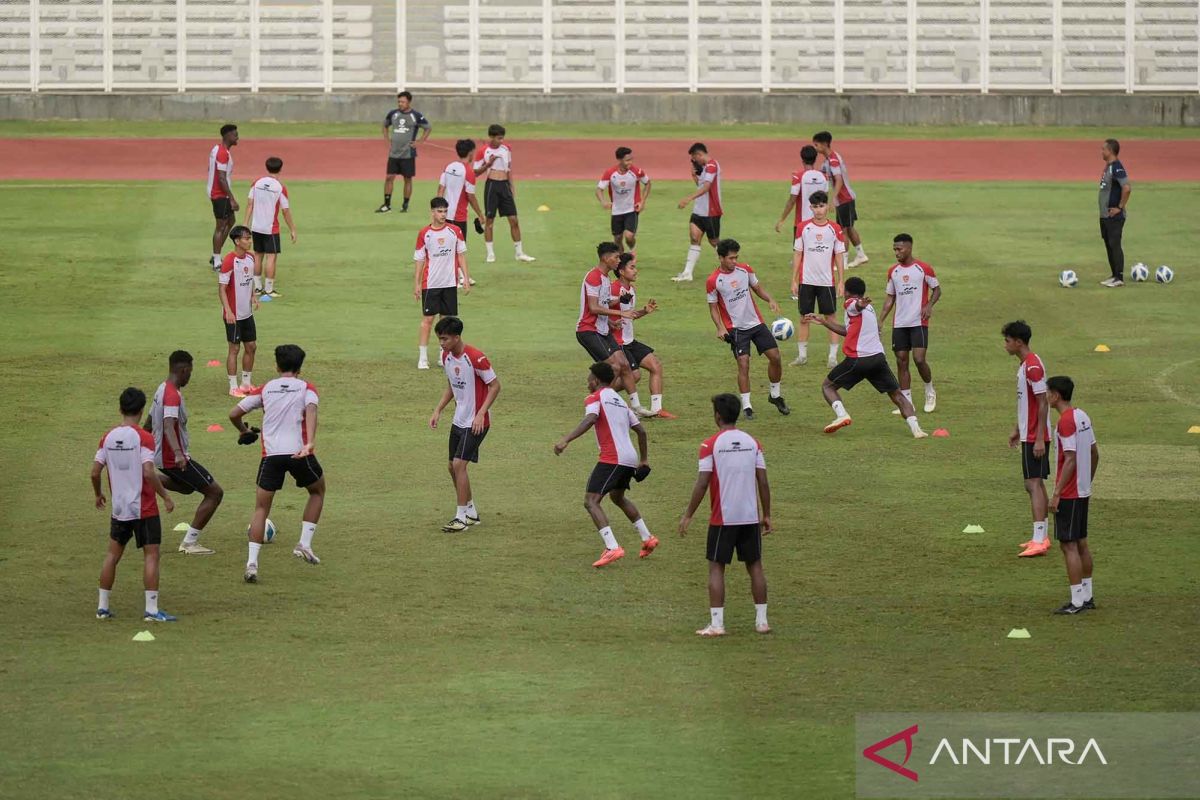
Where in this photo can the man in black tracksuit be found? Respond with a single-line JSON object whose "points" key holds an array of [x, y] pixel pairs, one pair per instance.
{"points": [[1114, 195]]}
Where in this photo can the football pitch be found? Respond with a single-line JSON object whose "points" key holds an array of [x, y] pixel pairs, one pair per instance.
{"points": [[498, 662]]}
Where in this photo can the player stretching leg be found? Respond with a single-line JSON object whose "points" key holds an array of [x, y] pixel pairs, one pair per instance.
{"points": [[1078, 457], [908, 285], [235, 288], [706, 211], [1032, 431], [606, 411]]}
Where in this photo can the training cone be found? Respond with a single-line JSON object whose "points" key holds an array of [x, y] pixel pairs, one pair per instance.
{"points": [[942, 433], [265, 298], [144, 636], [183, 526], [543, 207], [1194, 429], [214, 428], [973, 529], [1019, 633], [1102, 348], [214, 363]]}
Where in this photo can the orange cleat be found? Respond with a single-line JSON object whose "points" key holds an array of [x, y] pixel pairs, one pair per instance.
{"points": [[837, 424], [1036, 550], [664, 414], [1026, 545], [609, 556], [238, 392], [648, 546]]}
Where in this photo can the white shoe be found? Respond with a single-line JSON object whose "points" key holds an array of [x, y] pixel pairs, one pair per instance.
{"points": [[798, 361], [763, 628], [194, 549], [930, 401], [709, 631], [920, 434], [858, 261], [795, 297], [422, 364], [300, 551], [644, 412], [251, 574], [491, 259], [525, 257], [683, 276]]}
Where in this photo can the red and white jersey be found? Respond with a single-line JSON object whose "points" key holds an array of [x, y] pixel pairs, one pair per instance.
{"points": [[219, 160], [285, 403], [1075, 434], [730, 292], [1031, 381], [469, 376], [614, 420], [624, 188], [910, 285], [124, 450], [709, 203], [834, 165], [270, 197], [237, 278], [818, 243], [623, 328], [458, 182], [168, 409], [596, 284], [732, 457], [803, 185], [439, 249], [503, 155], [862, 331]]}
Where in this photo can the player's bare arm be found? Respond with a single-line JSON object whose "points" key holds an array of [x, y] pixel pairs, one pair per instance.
{"points": [[583, 427], [700, 190], [447, 394], [699, 488], [762, 293], [1065, 476], [493, 391], [223, 179], [1014, 438], [172, 436], [831, 324], [604, 311], [839, 273], [787, 209], [889, 302], [417, 265], [287, 217], [97, 468], [837, 190], [226, 310], [603, 198], [1043, 418], [150, 476], [249, 210], [1126, 190], [764, 498], [716, 318], [310, 428], [460, 263], [927, 309], [487, 164], [643, 444], [797, 270], [641, 204]]}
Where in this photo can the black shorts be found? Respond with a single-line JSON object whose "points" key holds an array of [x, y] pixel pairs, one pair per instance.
{"points": [[440, 301], [241, 331], [709, 226], [1033, 467], [636, 352], [462, 227], [607, 478], [498, 199], [1070, 521], [598, 346], [624, 222], [192, 478], [222, 208], [402, 166], [820, 297], [724, 539], [875, 369], [266, 242], [846, 214], [464, 444], [272, 469], [147, 530], [759, 335], [914, 338]]}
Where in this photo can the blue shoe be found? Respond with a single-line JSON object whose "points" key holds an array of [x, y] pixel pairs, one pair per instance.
{"points": [[104, 613], [160, 616]]}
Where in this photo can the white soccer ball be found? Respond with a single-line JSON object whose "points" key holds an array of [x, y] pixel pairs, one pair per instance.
{"points": [[1067, 278], [1139, 272], [268, 531], [782, 329], [1164, 274]]}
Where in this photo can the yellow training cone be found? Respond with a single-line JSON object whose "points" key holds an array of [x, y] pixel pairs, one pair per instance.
{"points": [[543, 207], [1194, 429], [1102, 348]]}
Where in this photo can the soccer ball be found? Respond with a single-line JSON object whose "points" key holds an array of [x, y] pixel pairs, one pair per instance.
{"points": [[1067, 278], [268, 531], [1164, 274], [783, 329], [1139, 272]]}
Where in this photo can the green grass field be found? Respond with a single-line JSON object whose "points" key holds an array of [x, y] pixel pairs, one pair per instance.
{"points": [[498, 663]]}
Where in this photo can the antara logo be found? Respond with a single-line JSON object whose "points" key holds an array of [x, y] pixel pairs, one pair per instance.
{"points": [[872, 752]]}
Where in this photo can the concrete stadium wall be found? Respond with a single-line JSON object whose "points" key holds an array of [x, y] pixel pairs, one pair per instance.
{"points": [[701, 108]]}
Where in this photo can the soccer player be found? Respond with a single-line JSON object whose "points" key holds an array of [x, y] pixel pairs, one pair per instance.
{"points": [[1115, 189], [804, 183], [400, 128], [499, 191], [817, 273], [626, 198], [706, 208], [1078, 458], [181, 473], [1032, 431], [473, 385], [908, 285], [838, 176], [440, 255], [268, 196], [639, 355], [734, 473], [457, 185], [128, 453], [606, 411], [739, 324], [593, 329], [289, 437], [220, 177], [864, 359], [235, 288]]}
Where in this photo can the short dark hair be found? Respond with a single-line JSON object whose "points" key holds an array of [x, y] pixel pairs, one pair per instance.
{"points": [[818, 197], [856, 287], [289, 357], [132, 401], [274, 164], [1115, 146], [464, 147], [727, 246], [623, 151], [604, 248], [902, 237], [1063, 385], [603, 372], [239, 231], [808, 154], [407, 95], [179, 357], [823, 137], [229, 128], [727, 407], [1018, 330], [450, 325], [439, 202], [495, 130], [624, 261], [697, 147]]}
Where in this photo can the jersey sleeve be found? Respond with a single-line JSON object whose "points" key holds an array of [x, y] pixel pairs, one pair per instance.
{"points": [[480, 157], [605, 179], [834, 164], [226, 274], [1035, 376], [171, 402], [422, 120], [284, 202], [760, 461], [419, 247], [460, 243], [890, 288], [147, 442], [753, 277], [796, 184], [251, 402], [710, 287], [101, 457], [709, 173], [222, 159], [592, 404], [483, 368], [1066, 433], [592, 284], [469, 186], [642, 176], [311, 398], [1119, 175], [706, 457], [851, 306]]}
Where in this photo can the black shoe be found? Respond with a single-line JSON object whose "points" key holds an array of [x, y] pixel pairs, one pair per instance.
{"points": [[1090, 605], [1070, 608], [781, 404], [383, 209], [404, 208], [748, 413]]}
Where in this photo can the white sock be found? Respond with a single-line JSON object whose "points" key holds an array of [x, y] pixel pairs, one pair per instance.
{"points": [[693, 256], [270, 285], [253, 557], [642, 529], [517, 246], [913, 425], [1077, 597], [858, 250], [745, 400], [907, 394], [839, 409], [307, 531], [760, 613], [634, 402], [460, 513], [423, 352], [774, 390], [656, 403], [718, 617], [1039, 532], [610, 541], [258, 282], [491, 249], [216, 258], [104, 598], [471, 509], [802, 348], [151, 601], [833, 351], [929, 388], [246, 379], [192, 536], [233, 381], [1087, 589]]}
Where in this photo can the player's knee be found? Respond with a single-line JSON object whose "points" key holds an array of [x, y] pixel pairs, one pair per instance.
{"points": [[215, 493]]}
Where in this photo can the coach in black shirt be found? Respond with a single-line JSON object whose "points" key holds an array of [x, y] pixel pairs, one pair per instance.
{"points": [[1114, 196]]}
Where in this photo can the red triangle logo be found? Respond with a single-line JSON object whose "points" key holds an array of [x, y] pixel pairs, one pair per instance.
{"points": [[872, 752]]}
